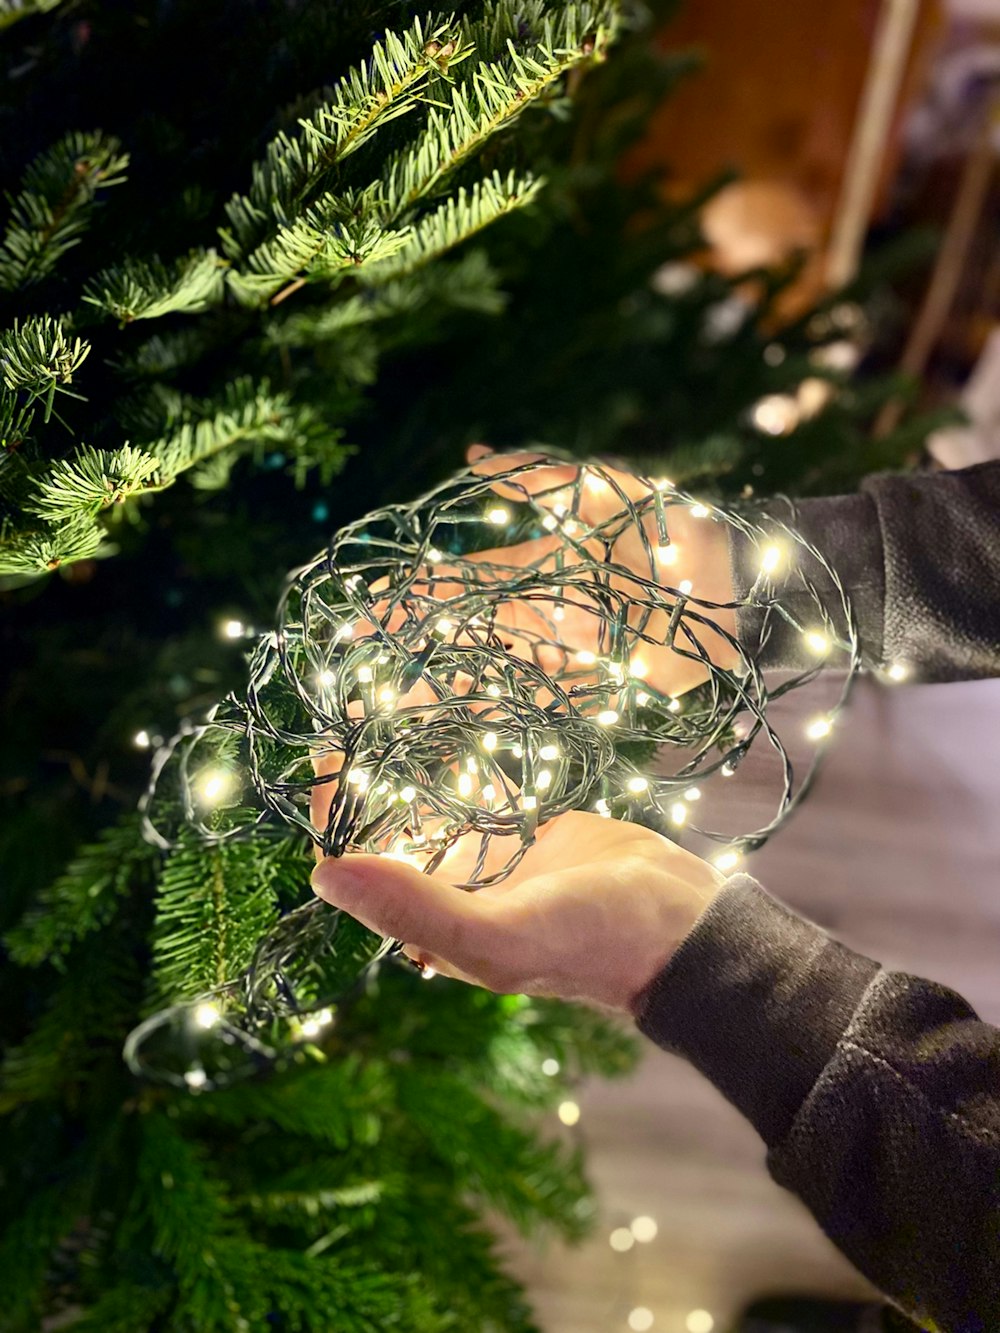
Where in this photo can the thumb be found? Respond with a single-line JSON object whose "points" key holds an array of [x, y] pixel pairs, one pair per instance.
{"points": [[399, 902]]}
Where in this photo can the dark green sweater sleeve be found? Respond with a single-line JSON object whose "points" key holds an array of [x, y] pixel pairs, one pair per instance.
{"points": [[876, 1093], [919, 556]]}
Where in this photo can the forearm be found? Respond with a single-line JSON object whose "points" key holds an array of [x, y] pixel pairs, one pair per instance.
{"points": [[919, 557], [877, 1095]]}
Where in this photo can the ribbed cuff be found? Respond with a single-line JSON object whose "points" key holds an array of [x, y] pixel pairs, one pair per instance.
{"points": [[757, 999], [845, 530]]}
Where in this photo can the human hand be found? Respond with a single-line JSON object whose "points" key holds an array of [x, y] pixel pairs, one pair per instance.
{"points": [[697, 559], [593, 910]]}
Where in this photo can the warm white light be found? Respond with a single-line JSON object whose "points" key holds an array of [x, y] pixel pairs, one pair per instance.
{"points": [[678, 813], [685, 586], [445, 626], [663, 484], [326, 678], [214, 785], [601, 806], [770, 559], [195, 1079], [559, 613], [644, 1229], [407, 794], [700, 511], [898, 671], [586, 658], [233, 629], [727, 770], [637, 784], [544, 779], [616, 672], [640, 1319], [387, 694], [621, 1239], [667, 555], [571, 527], [569, 1113], [427, 973], [642, 698], [549, 522], [493, 691], [464, 784], [489, 792], [490, 741], [517, 751], [358, 777], [206, 1015], [549, 752], [345, 632], [817, 642], [818, 728], [776, 414], [595, 483], [365, 675], [726, 860], [607, 717], [693, 794], [141, 740], [498, 515], [639, 668], [530, 802], [434, 555], [550, 1067], [674, 706], [699, 1321]]}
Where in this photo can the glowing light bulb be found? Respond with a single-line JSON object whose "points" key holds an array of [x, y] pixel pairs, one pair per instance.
{"points": [[233, 629], [699, 1321], [637, 784], [195, 1079], [490, 741], [640, 1320], [530, 802], [818, 728], [571, 527], [674, 706], [607, 717], [559, 613], [214, 785], [642, 698], [207, 1015], [365, 675], [387, 695], [594, 483], [407, 794], [498, 515], [727, 860], [699, 511], [621, 1239], [727, 770], [434, 555], [549, 752], [898, 671], [464, 784], [678, 813], [568, 1113], [444, 626], [550, 522], [776, 414], [493, 691], [544, 779], [551, 1067], [345, 632], [427, 973], [667, 555], [817, 642], [489, 792], [638, 668], [326, 678], [517, 751], [663, 484], [770, 559], [141, 740], [644, 1229], [586, 658], [685, 586], [693, 794], [601, 806]]}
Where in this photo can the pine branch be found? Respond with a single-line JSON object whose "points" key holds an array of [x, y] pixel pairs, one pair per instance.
{"points": [[291, 1207], [11, 11], [455, 221], [41, 550], [126, 1308], [39, 359], [490, 99], [26, 1245], [85, 896], [385, 87], [89, 481], [148, 289], [53, 208]]}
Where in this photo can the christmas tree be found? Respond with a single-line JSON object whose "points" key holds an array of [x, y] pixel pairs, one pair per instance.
{"points": [[237, 308]]}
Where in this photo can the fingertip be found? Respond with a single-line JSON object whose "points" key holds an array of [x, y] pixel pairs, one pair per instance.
{"points": [[477, 451]]}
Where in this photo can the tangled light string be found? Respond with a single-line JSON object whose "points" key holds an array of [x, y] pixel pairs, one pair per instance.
{"points": [[451, 673]]}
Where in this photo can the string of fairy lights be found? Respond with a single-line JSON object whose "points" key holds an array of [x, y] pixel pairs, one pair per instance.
{"points": [[448, 674]]}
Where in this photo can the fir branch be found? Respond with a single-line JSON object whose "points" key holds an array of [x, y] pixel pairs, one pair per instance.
{"points": [[125, 1308], [213, 904], [455, 221], [148, 289], [183, 1205], [42, 550], [290, 1207], [490, 99], [26, 1245], [11, 11], [53, 207], [385, 87], [85, 896], [38, 358], [89, 481]]}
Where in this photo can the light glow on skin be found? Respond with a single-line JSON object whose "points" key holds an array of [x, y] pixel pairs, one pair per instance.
{"points": [[699, 511], [586, 658], [667, 555]]}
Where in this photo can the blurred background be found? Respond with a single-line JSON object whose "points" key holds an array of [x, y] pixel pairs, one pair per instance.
{"points": [[765, 261]]}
